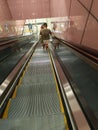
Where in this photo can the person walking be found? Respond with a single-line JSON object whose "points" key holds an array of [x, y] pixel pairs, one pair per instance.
{"points": [[45, 34], [41, 40]]}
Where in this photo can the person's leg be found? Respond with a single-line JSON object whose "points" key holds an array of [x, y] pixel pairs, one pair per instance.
{"points": [[47, 42], [44, 43], [46, 46]]}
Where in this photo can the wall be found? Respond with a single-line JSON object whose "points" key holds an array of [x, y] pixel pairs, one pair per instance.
{"points": [[11, 28], [29, 9], [59, 8], [83, 22], [80, 27], [4, 11]]}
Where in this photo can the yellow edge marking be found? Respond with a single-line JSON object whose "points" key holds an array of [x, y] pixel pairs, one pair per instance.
{"points": [[20, 80], [61, 105], [5, 114], [14, 94], [19, 83]]}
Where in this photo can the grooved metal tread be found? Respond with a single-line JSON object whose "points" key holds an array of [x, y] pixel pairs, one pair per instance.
{"points": [[52, 122], [39, 69], [37, 59], [36, 89], [37, 105], [38, 76], [38, 79], [35, 85], [32, 71]]}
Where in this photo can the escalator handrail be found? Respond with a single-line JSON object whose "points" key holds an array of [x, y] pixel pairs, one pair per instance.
{"points": [[88, 54], [74, 110], [13, 76]]}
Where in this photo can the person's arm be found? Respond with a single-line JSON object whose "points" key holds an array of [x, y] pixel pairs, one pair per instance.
{"points": [[50, 32], [40, 33]]}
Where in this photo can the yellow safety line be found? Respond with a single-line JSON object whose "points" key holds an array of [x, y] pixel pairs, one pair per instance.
{"points": [[5, 114], [14, 94], [20, 81], [61, 104]]}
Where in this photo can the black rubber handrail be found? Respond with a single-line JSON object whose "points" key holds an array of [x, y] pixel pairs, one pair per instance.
{"points": [[7, 87], [88, 52]]}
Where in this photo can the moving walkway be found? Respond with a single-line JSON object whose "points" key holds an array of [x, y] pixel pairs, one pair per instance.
{"points": [[37, 102], [82, 74]]}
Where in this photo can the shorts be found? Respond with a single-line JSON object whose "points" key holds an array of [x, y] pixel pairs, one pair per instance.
{"points": [[46, 42]]}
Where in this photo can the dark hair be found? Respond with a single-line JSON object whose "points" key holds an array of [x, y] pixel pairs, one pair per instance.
{"points": [[45, 24]]}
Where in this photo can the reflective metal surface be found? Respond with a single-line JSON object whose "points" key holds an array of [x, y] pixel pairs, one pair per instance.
{"points": [[77, 117], [12, 75]]}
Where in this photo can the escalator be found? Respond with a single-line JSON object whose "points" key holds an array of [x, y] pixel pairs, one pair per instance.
{"points": [[37, 104], [83, 78], [11, 56]]}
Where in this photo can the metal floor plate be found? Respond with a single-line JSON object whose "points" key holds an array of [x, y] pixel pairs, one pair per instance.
{"points": [[36, 89], [38, 105], [53, 122]]}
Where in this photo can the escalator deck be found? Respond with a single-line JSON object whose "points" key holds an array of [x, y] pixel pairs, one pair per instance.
{"points": [[37, 105]]}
